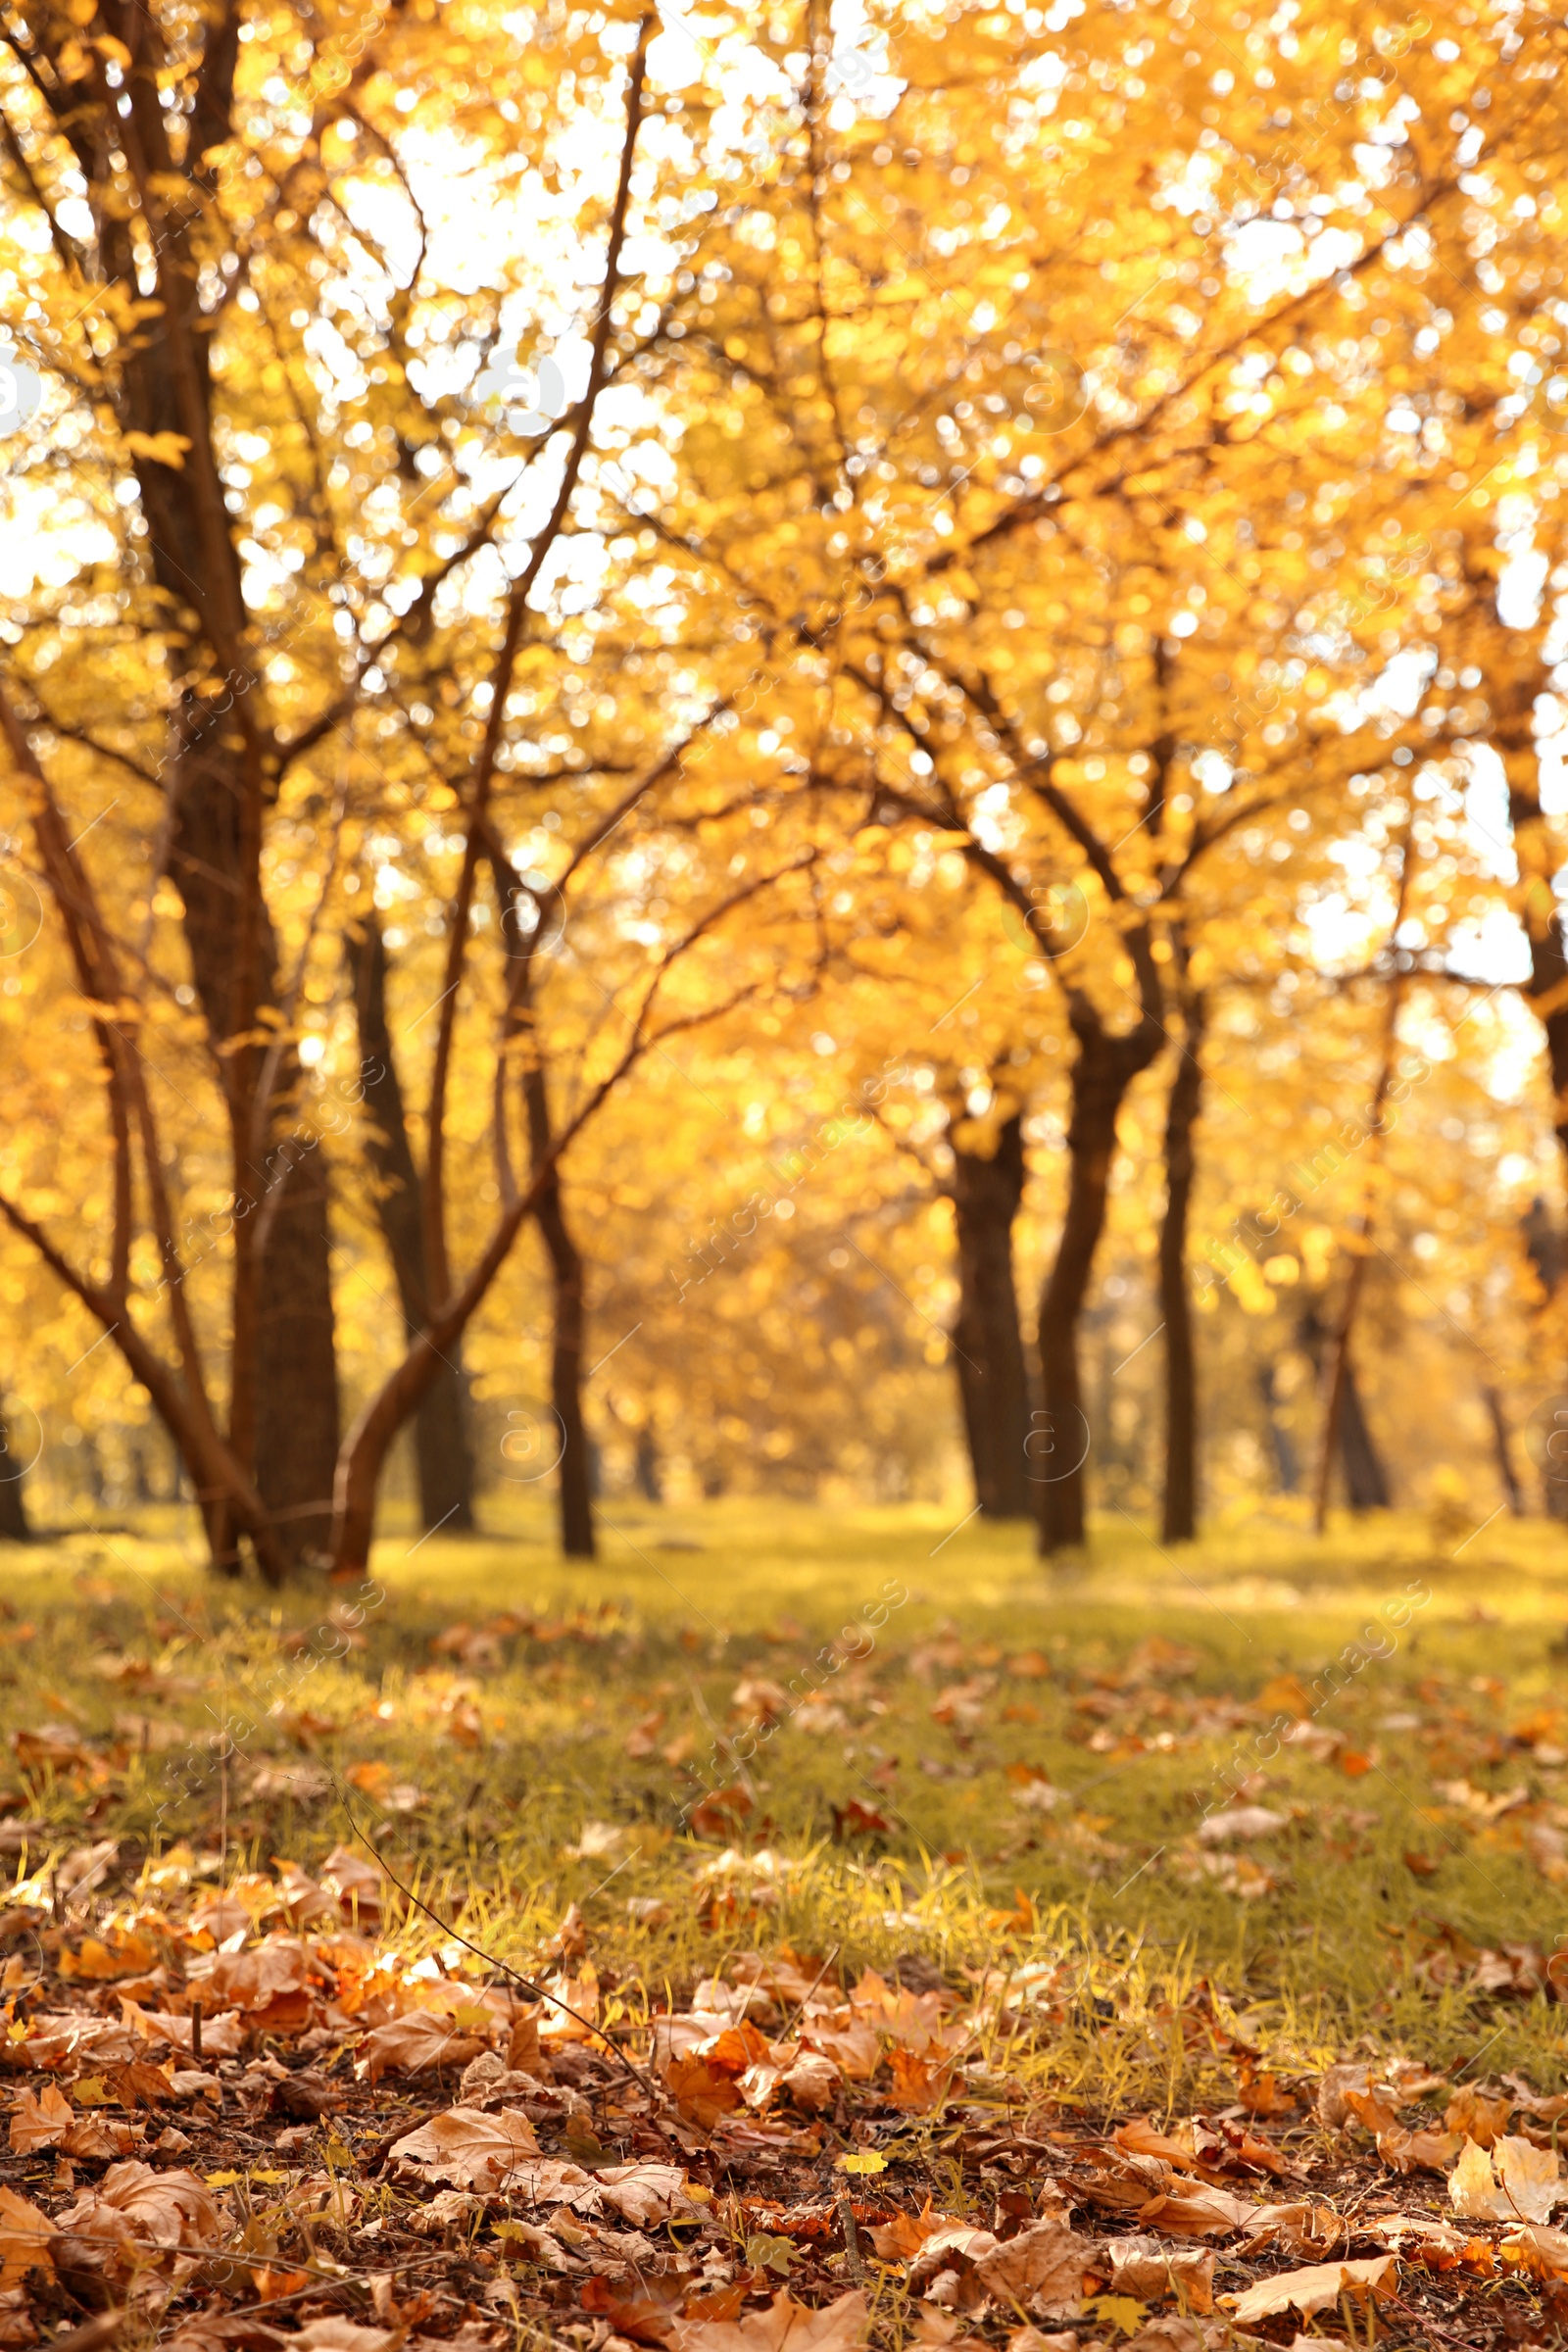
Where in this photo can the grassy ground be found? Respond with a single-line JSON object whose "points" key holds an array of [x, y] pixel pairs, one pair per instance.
{"points": [[999, 1766]]}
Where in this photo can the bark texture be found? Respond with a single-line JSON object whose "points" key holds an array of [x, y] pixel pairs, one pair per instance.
{"points": [[442, 1446], [1179, 1507], [987, 1339], [14, 1527], [1107, 1063], [575, 1474]]}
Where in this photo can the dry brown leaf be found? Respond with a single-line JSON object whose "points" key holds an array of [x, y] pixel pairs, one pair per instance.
{"points": [[468, 2147], [1303, 2227], [1140, 2267], [1529, 2182], [1479, 2118], [1537, 2249], [1042, 2268], [1333, 2089], [901, 2238], [343, 2336], [1143, 2139], [1316, 2289], [413, 2045], [1172, 2333], [1378, 2110], [132, 2202], [837, 2327], [39, 2120], [25, 2235], [645, 2192], [1197, 2213], [1418, 2151]]}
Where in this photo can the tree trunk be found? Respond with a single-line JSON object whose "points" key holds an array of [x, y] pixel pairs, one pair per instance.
{"points": [[1058, 1442], [1285, 1466], [14, 1523], [650, 1483], [442, 1449], [1178, 1514], [987, 1341], [575, 1471], [284, 1409], [1366, 1481], [1502, 1447]]}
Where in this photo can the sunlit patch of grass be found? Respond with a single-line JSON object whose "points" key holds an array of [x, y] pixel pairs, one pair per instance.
{"points": [[515, 1748]]}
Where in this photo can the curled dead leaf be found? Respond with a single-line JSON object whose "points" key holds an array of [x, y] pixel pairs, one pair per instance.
{"points": [[1316, 2289]]}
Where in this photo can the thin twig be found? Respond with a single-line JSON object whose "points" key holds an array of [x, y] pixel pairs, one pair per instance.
{"points": [[538, 1991]]}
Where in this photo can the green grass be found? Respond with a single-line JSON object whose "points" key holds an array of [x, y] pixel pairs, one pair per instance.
{"points": [[515, 1750]]}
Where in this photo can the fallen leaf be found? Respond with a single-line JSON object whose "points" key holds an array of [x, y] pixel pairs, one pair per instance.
{"points": [[1316, 2289], [39, 2120], [1242, 1821], [1418, 2151], [1142, 2268], [468, 2147], [1142, 2139], [341, 2336], [132, 2205], [413, 2044], [837, 2327], [1537, 2249], [1481, 2119], [25, 2235], [1042, 2268], [1529, 2182]]}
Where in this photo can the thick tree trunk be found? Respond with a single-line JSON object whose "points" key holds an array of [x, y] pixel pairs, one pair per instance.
{"points": [[575, 1473], [443, 1451], [1366, 1481], [14, 1523], [987, 1340], [284, 1409], [646, 1469], [1503, 1448], [1179, 1512], [1286, 1466], [1106, 1066]]}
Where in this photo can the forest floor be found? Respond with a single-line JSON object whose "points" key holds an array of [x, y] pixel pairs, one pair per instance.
{"points": [[933, 1949]]}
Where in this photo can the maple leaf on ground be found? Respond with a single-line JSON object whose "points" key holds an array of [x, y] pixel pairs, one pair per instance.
{"points": [[412, 2044], [1142, 2139], [133, 2208], [1418, 2151], [221, 2036], [1479, 2118], [1317, 2288], [785, 2326], [25, 2235], [1041, 2268], [644, 2192], [468, 2147], [39, 2120], [1304, 2228], [1333, 2092], [901, 2238], [1529, 2182], [1537, 2249], [342, 2335], [1198, 2212], [1142, 2268]]}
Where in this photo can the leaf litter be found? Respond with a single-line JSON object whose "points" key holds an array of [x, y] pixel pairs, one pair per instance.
{"points": [[265, 2112]]}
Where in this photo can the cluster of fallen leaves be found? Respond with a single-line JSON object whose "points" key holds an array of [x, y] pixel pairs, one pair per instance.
{"points": [[244, 2116]]}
